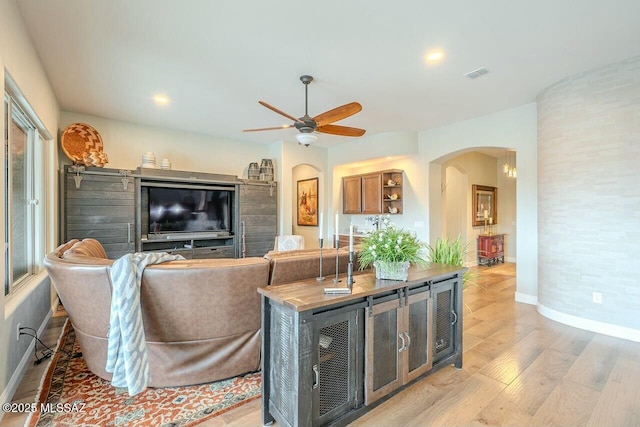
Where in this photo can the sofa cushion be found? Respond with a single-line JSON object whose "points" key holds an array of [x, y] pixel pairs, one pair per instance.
{"points": [[60, 250], [87, 247]]}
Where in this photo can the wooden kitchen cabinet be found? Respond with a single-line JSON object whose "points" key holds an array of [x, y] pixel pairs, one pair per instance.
{"points": [[352, 194], [373, 193]]}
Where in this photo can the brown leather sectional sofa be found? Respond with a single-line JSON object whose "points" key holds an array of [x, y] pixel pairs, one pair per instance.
{"points": [[201, 317]]}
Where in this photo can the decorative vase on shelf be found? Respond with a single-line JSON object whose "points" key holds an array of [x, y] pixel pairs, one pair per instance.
{"points": [[392, 270]]}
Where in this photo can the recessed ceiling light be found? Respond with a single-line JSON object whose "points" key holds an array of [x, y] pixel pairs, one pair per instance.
{"points": [[161, 99], [434, 56]]}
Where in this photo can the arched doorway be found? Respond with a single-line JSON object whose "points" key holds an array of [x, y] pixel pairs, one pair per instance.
{"points": [[451, 214]]}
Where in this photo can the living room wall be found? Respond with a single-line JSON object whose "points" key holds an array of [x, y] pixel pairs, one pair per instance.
{"points": [[33, 303], [589, 202], [125, 143]]}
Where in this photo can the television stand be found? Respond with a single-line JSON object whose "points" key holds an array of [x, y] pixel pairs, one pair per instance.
{"points": [[194, 246], [187, 236]]}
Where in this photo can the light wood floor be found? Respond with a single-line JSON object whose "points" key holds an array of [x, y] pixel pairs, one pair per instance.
{"points": [[520, 369]]}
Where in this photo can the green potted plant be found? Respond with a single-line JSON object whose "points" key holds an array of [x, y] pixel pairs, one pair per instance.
{"points": [[391, 250], [451, 252]]}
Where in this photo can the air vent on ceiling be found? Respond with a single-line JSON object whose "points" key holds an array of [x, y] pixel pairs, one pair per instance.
{"points": [[477, 73]]}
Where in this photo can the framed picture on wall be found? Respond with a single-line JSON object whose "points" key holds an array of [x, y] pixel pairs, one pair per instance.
{"points": [[308, 202], [485, 205]]}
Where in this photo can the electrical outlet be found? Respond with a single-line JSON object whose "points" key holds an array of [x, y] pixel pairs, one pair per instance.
{"points": [[597, 298], [18, 332]]}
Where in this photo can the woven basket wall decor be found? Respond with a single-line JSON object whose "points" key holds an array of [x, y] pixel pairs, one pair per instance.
{"points": [[80, 139]]}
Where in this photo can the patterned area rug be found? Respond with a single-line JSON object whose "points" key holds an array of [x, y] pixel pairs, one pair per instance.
{"points": [[71, 395]]}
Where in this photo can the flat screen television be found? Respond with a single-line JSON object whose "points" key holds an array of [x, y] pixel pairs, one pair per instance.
{"points": [[189, 210]]}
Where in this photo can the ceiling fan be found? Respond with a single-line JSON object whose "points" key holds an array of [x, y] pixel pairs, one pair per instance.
{"points": [[307, 125]]}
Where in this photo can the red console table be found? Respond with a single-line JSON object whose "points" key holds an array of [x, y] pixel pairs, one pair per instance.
{"points": [[490, 249]]}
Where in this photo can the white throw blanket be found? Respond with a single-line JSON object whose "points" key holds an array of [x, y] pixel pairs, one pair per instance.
{"points": [[127, 353]]}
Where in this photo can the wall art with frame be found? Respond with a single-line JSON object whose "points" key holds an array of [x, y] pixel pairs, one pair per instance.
{"points": [[485, 205], [307, 205]]}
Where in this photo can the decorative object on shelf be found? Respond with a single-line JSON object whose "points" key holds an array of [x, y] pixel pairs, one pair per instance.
{"points": [[393, 196], [148, 160], [307, 205], [387, 246], [393, 210], [509, 166], [485, 205], [95, 158], [391, 183], [83, 145], [165, 164], [266, 170], [253, 172]]}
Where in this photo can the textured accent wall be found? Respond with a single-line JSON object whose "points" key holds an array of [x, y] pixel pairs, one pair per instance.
{"points": [[589, 194]]}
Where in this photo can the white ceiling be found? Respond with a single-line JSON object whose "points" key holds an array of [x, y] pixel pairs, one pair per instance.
{"points": [[216, 59]]}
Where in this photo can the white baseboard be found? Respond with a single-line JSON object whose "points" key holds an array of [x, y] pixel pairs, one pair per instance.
{"points": [[526, 298], [21, 369], [510, 259], [590, 325]]}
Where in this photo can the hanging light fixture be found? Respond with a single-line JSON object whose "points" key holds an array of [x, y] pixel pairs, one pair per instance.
{"points": [[509, 166], [306, 139]]}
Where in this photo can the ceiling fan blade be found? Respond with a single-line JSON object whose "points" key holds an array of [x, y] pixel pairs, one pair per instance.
{"points": [[341, 130], [337, 113], [274, 109], [273, 128]]}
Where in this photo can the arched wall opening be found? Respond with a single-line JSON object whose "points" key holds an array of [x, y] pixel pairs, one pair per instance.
{"points": [[451, 207]]}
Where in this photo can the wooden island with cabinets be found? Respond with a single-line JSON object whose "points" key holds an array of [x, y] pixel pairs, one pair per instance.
{"points": [[327, 358]]}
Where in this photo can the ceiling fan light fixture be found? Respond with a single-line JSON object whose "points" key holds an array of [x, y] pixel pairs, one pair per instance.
{"points": [[306, 139]]}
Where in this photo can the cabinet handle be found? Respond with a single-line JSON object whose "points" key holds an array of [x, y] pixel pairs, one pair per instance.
{"points": [[404, 347], [408, 340], [316, 376], [455, 317], [128, 232]]}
